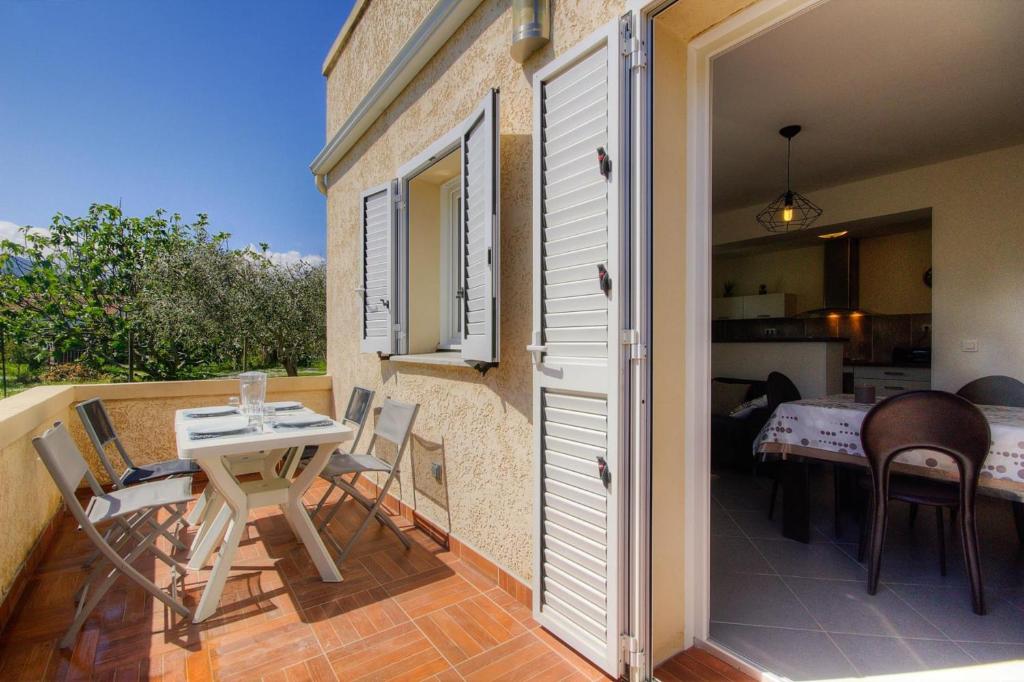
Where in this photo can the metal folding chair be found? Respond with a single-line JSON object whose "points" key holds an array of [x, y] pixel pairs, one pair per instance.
{"points": [[356, 413], [101, 433], [394, 424], [133, 526]]}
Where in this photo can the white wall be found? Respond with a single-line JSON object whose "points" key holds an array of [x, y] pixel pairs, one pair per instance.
{"points": [[815, 368], [977, 207]]}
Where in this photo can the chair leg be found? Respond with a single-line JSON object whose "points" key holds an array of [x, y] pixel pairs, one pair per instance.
{"points": [[969, 533], [322, 502], [942, 540], [913, 513], [771, 503], [865, 528], [837, 497], [878, 521]]}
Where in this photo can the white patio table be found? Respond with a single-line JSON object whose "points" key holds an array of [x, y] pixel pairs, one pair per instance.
{"points": [[283, 489]]}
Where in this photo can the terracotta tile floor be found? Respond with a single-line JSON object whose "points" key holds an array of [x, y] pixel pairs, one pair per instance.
{"points": [[421, 614]]}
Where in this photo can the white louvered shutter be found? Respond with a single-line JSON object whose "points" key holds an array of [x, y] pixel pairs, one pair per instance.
{"points": [[479, 234], [577, 358], [377, 216]]}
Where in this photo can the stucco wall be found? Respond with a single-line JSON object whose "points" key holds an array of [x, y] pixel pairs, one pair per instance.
{"points": [[484, 422], [370, 46], [143, 415]]}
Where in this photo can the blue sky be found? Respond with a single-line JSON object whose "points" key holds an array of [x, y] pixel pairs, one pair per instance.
{"points": [[190, 106]]}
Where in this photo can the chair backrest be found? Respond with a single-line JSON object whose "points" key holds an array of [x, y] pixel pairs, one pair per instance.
{"points": [[780, 389], [66, 465], [394, 423], [927, 420], [358, 410], [994, 390], [101, 432]]}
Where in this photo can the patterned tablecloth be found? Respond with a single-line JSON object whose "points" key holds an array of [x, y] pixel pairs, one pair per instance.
{"points": [[833, 423]]}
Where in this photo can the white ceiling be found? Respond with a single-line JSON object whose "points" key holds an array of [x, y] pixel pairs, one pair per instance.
{"points": [[878, 86]]}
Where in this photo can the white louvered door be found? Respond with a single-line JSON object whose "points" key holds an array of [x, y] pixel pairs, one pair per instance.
{"points": [[377, 216], [578, 359], [479, 239]]}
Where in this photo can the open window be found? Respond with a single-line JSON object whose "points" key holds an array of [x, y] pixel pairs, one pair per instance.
{"points": [[445, 279]]}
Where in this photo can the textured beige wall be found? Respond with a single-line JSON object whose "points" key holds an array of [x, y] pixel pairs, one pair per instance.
{"points": [[28, 496], [371, 44], [143, 415], [484, 421]]}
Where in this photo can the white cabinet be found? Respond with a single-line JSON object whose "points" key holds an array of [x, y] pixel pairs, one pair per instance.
{"points": [[727, 308], [769, 305], [892, 380], [753, 307]]}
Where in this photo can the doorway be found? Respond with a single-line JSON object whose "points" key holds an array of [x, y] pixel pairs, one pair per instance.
{"points": [[907, 632]]}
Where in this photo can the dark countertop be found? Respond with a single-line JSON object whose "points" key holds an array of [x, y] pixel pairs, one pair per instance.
{"points": [[871, 363], [788, 339]]}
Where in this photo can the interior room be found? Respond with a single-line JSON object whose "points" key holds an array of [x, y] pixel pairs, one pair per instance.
{"points": [[866, 226], [435, 200]]}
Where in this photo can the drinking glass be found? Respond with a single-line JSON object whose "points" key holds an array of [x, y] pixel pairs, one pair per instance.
{"points": [[253, 391]]}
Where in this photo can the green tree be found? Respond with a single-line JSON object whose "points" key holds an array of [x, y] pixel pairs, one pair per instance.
{"points": [[294, 301], [81, 287]]}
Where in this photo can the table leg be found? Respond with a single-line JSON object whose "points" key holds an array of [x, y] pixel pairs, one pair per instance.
{"points": [[210, 534], [1018, 519], [229, 490], [302, 525], [796, 500]]}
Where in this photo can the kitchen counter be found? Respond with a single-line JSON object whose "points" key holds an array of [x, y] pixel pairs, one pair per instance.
{"points": [[869, 363], [788, 339], [815, 365]]}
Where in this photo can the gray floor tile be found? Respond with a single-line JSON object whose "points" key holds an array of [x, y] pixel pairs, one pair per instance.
{"points": [[810, 561], [994, 653], [949, 610], [736, 555], [738, 491], [756, 524], [846, 607], [757, 600], [891, 655], [797, 654], [722, 523]]}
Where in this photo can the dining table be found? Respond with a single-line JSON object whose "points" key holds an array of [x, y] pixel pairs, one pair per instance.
{"points": [[272, 449], [828, 429]]}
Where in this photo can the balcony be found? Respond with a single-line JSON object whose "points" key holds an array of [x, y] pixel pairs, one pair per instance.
{"points": [[431, 612]]}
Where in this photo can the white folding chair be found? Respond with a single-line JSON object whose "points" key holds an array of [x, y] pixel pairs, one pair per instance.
{"points": [[128, 511], [394, 424], [359, 403]]}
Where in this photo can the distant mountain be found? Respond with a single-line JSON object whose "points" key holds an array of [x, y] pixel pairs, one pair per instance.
{"points": [[17, 266]]}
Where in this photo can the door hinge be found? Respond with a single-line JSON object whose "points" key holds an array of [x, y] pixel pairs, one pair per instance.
{"points": [[399, 199], [637, 350], [632, 656], [636, 51]]}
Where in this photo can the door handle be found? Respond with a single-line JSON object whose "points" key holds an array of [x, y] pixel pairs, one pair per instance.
{"points": [[536, 348]]}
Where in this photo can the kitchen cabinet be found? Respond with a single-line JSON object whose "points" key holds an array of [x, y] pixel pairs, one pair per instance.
{"points": [[763, 306], [892, 380]]}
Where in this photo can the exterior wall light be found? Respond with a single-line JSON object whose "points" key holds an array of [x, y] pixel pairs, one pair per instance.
{"points": [[531, 27]]}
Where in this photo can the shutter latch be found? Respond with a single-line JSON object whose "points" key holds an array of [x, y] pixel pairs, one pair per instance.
{"points": [[637, 350]]}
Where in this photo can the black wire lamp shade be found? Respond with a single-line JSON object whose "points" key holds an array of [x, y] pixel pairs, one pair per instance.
{"points": [[791, 211]]}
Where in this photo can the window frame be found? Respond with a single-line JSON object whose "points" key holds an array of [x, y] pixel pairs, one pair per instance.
{"points": [[451, 225]]}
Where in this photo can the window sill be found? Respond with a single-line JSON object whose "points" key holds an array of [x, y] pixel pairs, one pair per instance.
{"points": [[448, 359]]}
